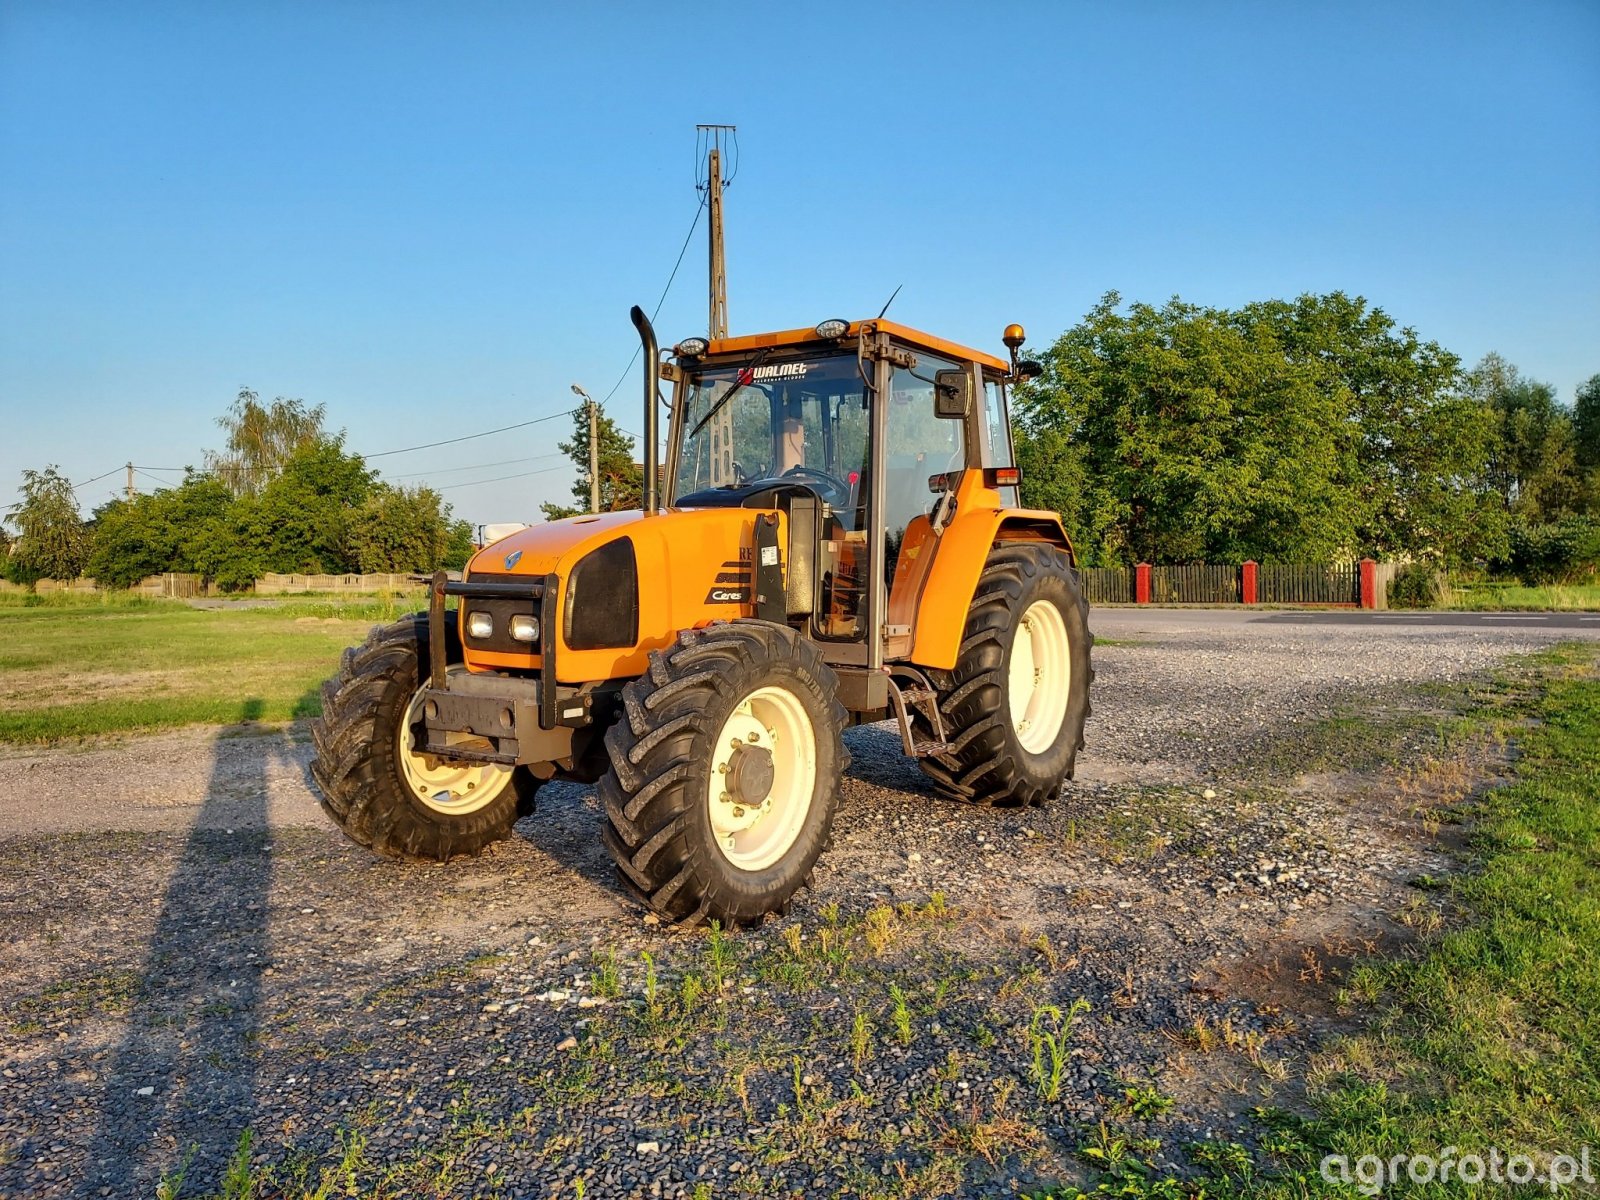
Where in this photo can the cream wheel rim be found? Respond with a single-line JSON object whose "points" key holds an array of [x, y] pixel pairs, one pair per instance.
{"points": [[454, 789], [753, 836], [1041, 677]]}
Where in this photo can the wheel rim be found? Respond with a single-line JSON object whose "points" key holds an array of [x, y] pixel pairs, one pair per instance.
{"points": [[1041, 676], [754, 836], [448, 788]]}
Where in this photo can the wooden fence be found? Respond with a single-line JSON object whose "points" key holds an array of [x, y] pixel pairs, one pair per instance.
{"points": [[1108, 585], [1331, 584], [1293, 583]]}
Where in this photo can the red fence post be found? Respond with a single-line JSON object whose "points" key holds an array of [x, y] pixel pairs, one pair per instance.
{"points": [[1247, 582], [1369, 583], [1141, 584]]}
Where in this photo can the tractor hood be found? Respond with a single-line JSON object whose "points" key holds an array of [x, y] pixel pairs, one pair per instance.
{"points": [[626, 583], [539, 549]]}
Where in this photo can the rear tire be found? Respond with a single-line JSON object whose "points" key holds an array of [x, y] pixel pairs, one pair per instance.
{"points": [[1015, 704], [375, 787], [724, 772]]}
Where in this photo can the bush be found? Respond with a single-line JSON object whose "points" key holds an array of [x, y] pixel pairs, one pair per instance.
{"points": [[1416, 585], [1564, 551]]}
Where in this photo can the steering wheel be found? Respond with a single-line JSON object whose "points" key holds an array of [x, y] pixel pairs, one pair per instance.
{"points": [[831, 483]]}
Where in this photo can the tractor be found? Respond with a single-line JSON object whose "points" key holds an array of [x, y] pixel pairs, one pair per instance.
{"points": [[841, 542]]}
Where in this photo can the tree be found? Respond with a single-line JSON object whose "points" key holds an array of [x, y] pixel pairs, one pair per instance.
{"points": [[621, 479], [261, 440], [303, 517], [459, 547], [1533, 463], [1303, 429], [156, 531], [1183, 434], [52, 542], [1586, 423], [401, 529]]}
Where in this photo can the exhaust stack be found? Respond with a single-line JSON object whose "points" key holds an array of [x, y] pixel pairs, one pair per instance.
{"points": [[652, 388]]}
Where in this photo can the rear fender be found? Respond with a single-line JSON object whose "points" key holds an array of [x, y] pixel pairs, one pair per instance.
{"points": [[980, 524]]}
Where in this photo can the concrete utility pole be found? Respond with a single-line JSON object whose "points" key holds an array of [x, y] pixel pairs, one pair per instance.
{"points": [[594, 448], [130, 481], [719, 272]]}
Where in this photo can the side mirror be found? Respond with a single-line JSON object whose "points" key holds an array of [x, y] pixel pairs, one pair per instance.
{"points": [[1029, 369], [952, 394]]}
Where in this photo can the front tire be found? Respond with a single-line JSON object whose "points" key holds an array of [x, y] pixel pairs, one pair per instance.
{"points": [[376, 786], [724, 772], [1015, 704]]}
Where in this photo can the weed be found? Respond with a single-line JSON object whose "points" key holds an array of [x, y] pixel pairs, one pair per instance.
{"points": [[900, 1017], [879, 930], [1145, 1103], [861, 1038], [690, 991], [652, 1004], [607, 982], [1049, 1033]]}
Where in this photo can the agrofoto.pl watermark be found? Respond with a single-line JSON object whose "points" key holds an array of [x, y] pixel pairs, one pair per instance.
{"points": [[1370, 1173]]}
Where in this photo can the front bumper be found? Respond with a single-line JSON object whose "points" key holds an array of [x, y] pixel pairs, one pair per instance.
{"points": [[515, 714]]}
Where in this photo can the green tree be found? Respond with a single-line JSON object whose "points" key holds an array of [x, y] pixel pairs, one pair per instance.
{"points": [[459, 546], [1586, 425], [1303, 429], [261, 440], [302, 520], [1413, 463], [1182, 434], [401, 529], [52, 541], [1533, 462], [621, 479], [156, 532]]}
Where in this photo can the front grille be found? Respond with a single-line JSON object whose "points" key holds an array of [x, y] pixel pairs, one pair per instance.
{"points": [[501, 609]]}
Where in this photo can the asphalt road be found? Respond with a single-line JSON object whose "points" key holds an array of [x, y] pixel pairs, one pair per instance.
{"points": [[1127, 619]]}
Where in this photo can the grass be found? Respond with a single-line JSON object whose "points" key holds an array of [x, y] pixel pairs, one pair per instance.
{"points": [[1485, 1037], [1510, 597], [92, 665]]}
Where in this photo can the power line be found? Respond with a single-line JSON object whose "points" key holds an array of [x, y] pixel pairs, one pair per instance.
{"points": [[469, 436], [97, 478], [498, 478], [151, 478], [504, 462], [693, 225]]}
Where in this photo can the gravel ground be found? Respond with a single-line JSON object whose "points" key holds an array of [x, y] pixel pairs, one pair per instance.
{"points": [[190, 953]]}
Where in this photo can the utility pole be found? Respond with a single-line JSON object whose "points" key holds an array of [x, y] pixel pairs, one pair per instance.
{"points": [[130, 481], [594, 447], [715, 135]]}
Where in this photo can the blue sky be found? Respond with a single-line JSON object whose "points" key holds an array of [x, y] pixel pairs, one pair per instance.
{"points": [[433, 218]]}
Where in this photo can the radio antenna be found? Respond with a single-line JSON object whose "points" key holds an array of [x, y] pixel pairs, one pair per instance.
{"points": [[889, 301]]}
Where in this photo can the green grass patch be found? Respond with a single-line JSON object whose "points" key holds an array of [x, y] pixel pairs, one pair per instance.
{"points": [[78, 600], [1484, 1040], [76, 671], [1510, 597]]}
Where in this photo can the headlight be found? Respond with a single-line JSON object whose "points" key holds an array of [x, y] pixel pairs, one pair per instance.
{"points": [[833, 328], [480, 625], [692, 347], [525, 628]]}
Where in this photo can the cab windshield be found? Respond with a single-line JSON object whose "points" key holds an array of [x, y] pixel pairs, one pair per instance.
{"points": [[798, 419]]}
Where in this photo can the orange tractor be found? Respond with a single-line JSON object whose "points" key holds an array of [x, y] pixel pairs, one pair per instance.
{"points": [[841, 543]]}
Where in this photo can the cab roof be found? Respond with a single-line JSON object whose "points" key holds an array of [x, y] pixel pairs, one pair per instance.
{"points": [[901, 333]]}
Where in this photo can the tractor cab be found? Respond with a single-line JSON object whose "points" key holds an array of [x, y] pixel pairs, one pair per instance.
{"points": [[860, 434]]}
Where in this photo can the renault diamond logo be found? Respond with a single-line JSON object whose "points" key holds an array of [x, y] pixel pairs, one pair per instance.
{"points": [[511, 559]]}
